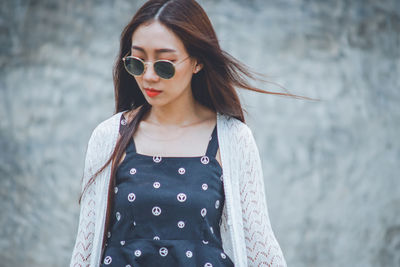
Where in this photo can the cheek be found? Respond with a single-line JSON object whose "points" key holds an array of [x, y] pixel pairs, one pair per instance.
{"points": [[184, 76]]}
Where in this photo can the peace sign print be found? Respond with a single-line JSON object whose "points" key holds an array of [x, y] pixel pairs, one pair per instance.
{"points": [[118, 215], [163, 251], [208, 264], [181, 197], [156, 184], [107, 260], [157, 159], [205, 160], [181, 224], [189, 254], [131, 197], [181, 171], [204, 186], [203, 212], [132, 171], [138, 253], [156, 211]]}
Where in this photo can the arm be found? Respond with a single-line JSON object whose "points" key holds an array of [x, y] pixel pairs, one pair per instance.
{"points": [[87, 217], [261, 245]]}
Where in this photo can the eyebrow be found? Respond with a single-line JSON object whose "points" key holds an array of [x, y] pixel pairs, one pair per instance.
{"points": [[158, 51]]}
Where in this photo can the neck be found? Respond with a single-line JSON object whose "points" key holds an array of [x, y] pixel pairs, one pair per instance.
{"points": [[181, 112]]}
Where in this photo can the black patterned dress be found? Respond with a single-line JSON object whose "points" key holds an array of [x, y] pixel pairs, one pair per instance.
{"points": [[167, 211]]}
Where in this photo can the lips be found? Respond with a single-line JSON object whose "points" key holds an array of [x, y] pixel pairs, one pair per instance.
{"points": [[151, 92]]}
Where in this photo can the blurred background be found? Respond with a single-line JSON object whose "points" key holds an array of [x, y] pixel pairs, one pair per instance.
{"points": [[331, 167]]}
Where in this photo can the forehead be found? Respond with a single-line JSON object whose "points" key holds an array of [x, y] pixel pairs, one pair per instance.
{"points": [[155, 36]]}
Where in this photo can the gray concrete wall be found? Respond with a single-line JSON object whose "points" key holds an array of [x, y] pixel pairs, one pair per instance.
{"points": [[330, 167]]}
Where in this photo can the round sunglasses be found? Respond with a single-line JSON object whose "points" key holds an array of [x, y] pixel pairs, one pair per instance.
{"points": [[165, 69]]}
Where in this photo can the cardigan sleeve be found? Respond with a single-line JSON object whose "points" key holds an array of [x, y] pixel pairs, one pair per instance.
{"points": [[261, 245], [87, 217]]}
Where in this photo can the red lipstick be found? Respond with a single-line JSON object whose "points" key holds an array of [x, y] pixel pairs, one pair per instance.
{"points": [[152, 92]]}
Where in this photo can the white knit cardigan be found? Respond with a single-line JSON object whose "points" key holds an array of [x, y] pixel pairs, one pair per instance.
{"points": [[246, 232]]}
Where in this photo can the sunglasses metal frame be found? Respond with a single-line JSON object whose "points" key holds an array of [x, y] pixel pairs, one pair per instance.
{"points": [[145, 63]]}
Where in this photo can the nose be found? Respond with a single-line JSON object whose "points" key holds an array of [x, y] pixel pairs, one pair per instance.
{"points": [[149, 74]]}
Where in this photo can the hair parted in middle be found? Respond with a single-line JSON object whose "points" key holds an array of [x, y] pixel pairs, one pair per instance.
{"points": [[213, 86]]}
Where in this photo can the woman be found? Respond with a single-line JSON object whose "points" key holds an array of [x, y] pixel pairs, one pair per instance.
{"points": [[174, 176]]}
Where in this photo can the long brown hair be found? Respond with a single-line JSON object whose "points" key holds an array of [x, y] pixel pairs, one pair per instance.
{"points": [[214, 86]]}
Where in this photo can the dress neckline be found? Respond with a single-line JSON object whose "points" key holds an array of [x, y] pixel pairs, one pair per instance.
{"points": [[211, 151]]}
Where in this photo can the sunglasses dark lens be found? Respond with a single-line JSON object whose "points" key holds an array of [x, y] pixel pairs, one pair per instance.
{"points": [[164, 69], [134, 66]]}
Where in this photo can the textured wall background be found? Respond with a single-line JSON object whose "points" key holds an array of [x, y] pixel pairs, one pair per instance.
{"points": [[331, 167]]}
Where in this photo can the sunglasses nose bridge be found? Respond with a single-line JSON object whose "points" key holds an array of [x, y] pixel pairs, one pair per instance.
{"points": [[149, 74], [145, 64]]}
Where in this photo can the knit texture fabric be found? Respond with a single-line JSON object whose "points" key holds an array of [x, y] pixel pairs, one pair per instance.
{"points": [[246, 232]]}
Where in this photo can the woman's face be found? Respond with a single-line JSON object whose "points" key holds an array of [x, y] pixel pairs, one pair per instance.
{"points": [[152, 42]]}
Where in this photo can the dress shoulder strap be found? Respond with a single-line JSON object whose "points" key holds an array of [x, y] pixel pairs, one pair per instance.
{"points": [[212, 147], [131, 145]]}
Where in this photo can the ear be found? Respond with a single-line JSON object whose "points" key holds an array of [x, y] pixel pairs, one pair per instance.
{"points": [[197, 67]]}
